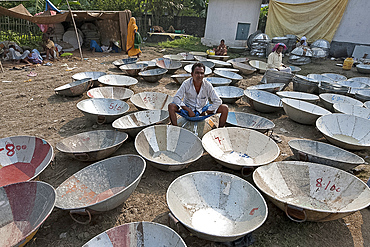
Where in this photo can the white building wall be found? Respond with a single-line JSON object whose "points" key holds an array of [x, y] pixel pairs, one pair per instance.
{"points": [[354, 26], [223, 17]]}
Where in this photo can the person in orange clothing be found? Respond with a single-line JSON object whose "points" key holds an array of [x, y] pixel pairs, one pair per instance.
{"points": [[132, 33]]}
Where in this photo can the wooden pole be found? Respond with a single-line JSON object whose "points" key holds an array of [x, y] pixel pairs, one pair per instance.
{"points": [[74, 24]]}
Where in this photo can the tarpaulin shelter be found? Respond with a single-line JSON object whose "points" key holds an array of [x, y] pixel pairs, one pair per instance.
{"points": [[119, 18]]}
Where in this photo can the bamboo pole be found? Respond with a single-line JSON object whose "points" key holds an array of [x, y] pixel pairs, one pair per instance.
{"points": [[74, 24]]}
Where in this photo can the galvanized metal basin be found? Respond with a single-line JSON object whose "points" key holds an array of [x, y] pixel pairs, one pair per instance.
{"points": [[188, 67], [92, 145], [93, 75], [263, 101], [345, 131], [186, 56], [151, 101], [200, 58], [199, 128], [328, 100], [174, 57], [333, 88], [168, 64], [219, 57], [238, 60], [236, 148], [216, 206], [120, 93], [135, 122], [180, 78], [269, 87], [298, 60], [218, 81], [305, 84], [245, 69], [294, 69], [363, 68], [259, 65], [118, 80], [353, 84], [273, 76], [219, 63], [311, 98], [303, 112], [23, 158], [132, 69], [365, 80], [208, 64], [153, 75], [143, 234], [323, 153], [229, 94], [168, 147], [249, 121], [228, 69], [74, 88], [102, 110], [101, 186], [355, 110], [335, 77], [229, 75], [25, 206], [312, 192], [363, 94], [320, 78], [148, 64], [198, 53], [124, 61]]}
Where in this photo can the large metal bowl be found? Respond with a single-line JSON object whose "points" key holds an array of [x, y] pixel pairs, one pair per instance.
{"points": [[216, 206], [229, 94], [236, 148], [188, 67], [208, 64], [180, 78], [228, 69], [353, 84], [355, 110], [74, 88], [200, 58], [365, 80], [229, 75], [302, 111], [249, 121], [295, 69], [151, 101], [259, 65], [93, 75], [298, 60], [263, 101], [345, 131], [124, 61], [323, 153], [120, 93], [170, 65], [219, 57], [328, 100], [143, 234], [23, 158], [135, 122], [269, 87], [305, 84], [118, 80], [186, 56], [169, 147], [24, 208], [199, 128], [198, 53], [218, 81], [102, 110], [148, 64], [238, 60], [245, 69], [320, 78], [312, 192], [101, 186], [333, 88], [363, 68], [92, 145], [153, 75], [219, 64], [273, 76], [363, 94], [174, 57], [367, 104], [335, 77], [133, 69], [311, 98]]}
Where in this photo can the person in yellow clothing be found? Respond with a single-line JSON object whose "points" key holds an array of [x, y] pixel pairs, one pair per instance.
{"points": [[275, 59], [132, 36]]}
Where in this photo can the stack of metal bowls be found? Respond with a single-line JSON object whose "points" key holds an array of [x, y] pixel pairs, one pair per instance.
{"points": [[305, 84], [363, 68], [292, 39], [259, 45], [322, 44]]}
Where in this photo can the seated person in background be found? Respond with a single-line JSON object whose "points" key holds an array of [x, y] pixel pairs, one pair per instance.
{"points": [[35, 57], [303, 42], [221, 50], [114, 45], [15, 56], [49, 47], [94, 47], [193, 96], [275, 59]]}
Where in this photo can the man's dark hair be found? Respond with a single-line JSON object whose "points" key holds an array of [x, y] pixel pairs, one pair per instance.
{"points": [[200, 65], [223, 40]]}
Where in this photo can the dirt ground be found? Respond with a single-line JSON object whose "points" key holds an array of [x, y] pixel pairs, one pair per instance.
{"points": [[32, 108]]}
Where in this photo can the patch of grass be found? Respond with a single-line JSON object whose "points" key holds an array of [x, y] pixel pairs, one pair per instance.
{"points": [[189, 43]]}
